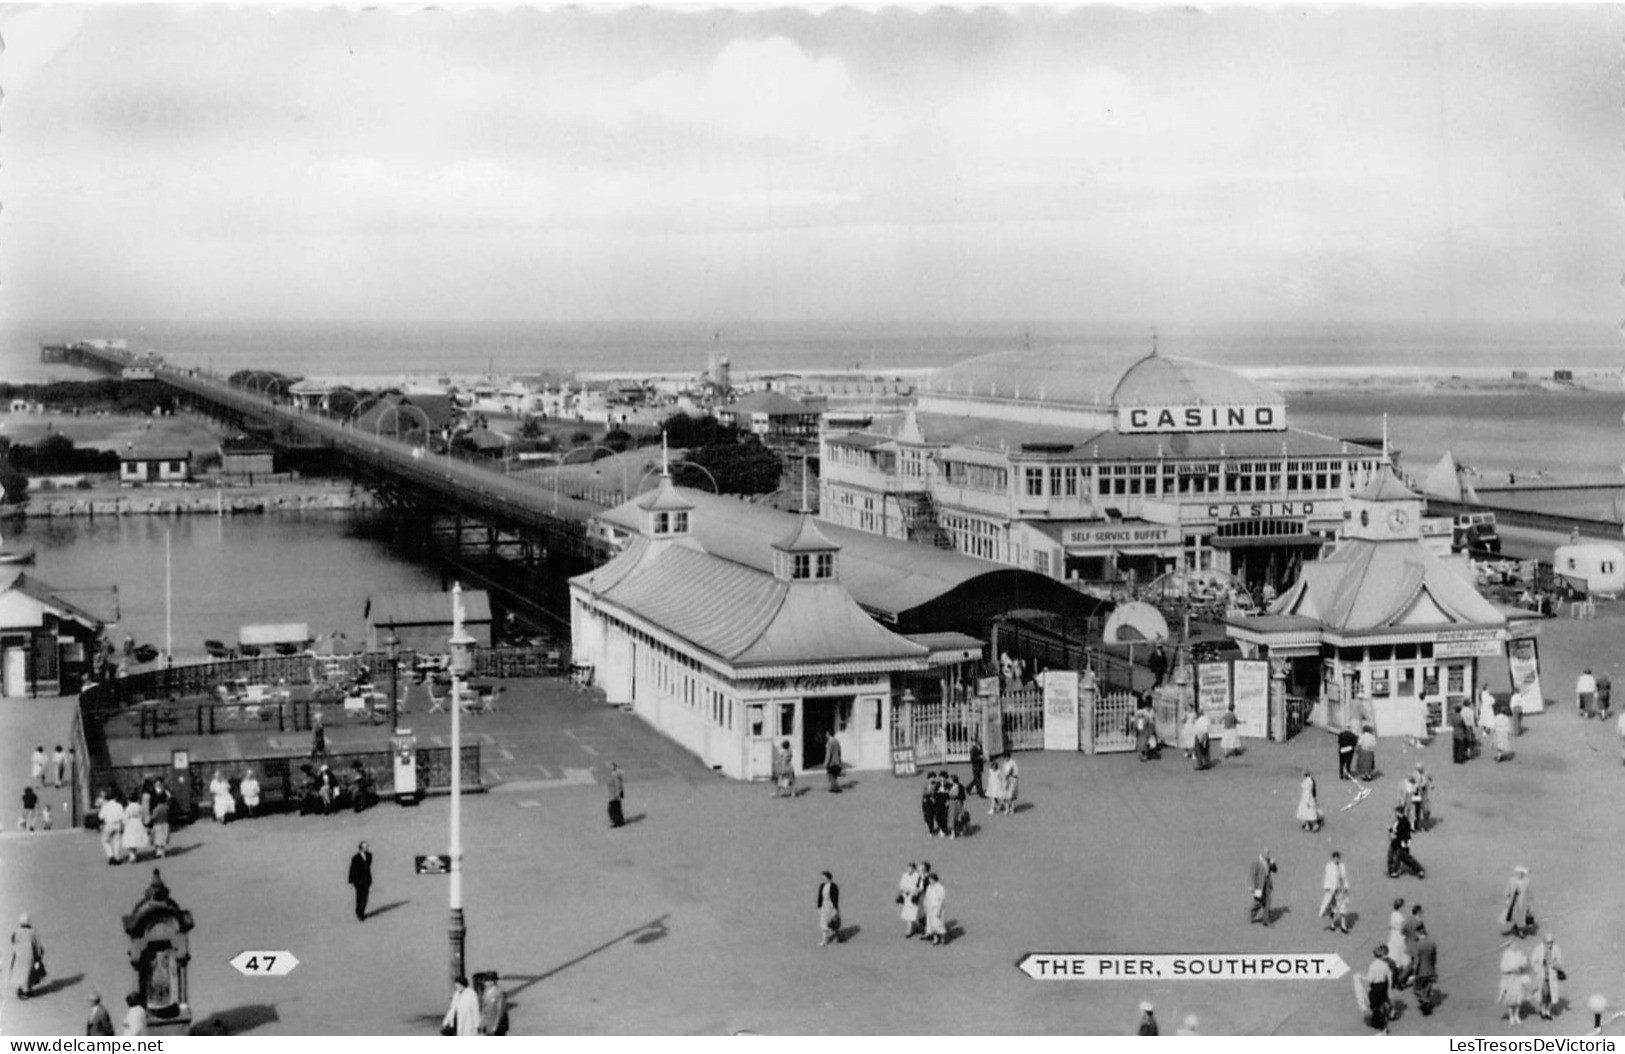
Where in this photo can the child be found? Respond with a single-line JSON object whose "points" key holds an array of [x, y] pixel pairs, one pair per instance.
{"points": [[45, 818]]}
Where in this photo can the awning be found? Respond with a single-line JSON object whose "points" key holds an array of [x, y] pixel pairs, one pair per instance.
{"points": [[948, 648], [272, 634], [1266, 540], [1134, 550]]}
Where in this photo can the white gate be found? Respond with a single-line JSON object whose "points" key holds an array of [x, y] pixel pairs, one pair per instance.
{"points": [[1114, 721]]}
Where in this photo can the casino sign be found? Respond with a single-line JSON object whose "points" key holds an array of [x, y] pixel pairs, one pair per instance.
{"points": [[1185, 418]]}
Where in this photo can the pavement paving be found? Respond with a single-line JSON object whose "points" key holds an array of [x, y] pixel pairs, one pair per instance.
{"points": [[698, 917]]}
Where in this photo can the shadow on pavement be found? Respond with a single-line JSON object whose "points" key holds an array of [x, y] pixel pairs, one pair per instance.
{"points": [[55, 985], [237, 1020], [649, 932], [391, 906]]}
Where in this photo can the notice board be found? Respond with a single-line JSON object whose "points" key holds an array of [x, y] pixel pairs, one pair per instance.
{"points": [[1213, 685], [1251, 693], [1061, 710]]}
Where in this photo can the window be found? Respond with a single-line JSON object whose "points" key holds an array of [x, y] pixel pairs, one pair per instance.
{"points": [[826, 566], [679, 522], [661, 524], [787, 719], [1069, 481], [800, 565], [753, 714], [1035, 482]]}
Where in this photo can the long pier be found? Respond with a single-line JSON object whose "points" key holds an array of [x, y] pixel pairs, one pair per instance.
{"points": [[520, 539]]}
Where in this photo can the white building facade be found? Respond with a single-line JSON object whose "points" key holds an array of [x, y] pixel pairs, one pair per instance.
{"points": [[1037, 461]]}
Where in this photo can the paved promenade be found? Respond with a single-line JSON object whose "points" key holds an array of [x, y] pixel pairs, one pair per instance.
{"points": [[698, 917]]}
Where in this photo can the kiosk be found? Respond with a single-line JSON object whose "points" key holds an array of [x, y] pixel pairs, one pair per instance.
{"points": [[404, 749]]}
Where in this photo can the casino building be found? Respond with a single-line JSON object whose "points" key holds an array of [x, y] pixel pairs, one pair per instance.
{"points": [[1090, 474]]}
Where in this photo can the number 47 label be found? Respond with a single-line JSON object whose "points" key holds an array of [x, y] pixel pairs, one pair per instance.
{"points": [[264, 964]]}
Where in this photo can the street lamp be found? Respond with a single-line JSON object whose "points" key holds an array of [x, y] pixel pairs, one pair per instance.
{"points": [[393, 646], [462, 655]]}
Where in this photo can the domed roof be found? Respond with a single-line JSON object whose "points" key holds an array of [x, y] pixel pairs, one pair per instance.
{"points": [[1158, 380], [1079, 378], [1037, 375]]}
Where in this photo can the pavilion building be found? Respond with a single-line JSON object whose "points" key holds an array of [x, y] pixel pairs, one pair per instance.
{"points": [[1386, 631], [1043, 461]]}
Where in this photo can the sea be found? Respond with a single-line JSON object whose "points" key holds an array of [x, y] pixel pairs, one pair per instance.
{"points": [[319, 567]]}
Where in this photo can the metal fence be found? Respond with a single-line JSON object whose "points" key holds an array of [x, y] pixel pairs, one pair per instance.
{"points": [[282, 777]]}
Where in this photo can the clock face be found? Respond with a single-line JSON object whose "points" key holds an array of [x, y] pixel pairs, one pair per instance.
{"points": [[1398, 518]]}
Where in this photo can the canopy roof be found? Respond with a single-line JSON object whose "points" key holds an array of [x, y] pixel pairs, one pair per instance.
{"points": [[1367, 586], [271, 634]]}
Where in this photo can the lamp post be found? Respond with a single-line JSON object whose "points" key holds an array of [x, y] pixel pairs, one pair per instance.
{"points": [[393, 646], [461, 656]]}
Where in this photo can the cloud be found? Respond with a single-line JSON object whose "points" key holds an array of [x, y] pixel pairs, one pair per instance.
{"points": [[764, 88]]}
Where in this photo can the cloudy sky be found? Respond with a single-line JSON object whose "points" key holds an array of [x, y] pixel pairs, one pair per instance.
{"points": [[1172, 165]]}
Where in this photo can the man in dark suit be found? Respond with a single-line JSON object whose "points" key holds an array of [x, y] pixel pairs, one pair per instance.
{"points": [[617, 792], [1425, 970], [1347, 740], [361, 879], [1263, 884], [832, 762]]}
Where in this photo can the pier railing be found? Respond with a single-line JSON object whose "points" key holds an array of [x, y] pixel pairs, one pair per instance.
{"points": [[283, 780]]}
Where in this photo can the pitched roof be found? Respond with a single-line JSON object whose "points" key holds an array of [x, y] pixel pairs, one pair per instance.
{"points": [[805, 538], [155, 454], [1385, 486], [882, 574], [745, 616], [45, 594], [1369, 585], [772, 403]]}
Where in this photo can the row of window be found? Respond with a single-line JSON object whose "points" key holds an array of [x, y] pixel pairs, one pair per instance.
{"points": [[679, 676], [1070, 481]]}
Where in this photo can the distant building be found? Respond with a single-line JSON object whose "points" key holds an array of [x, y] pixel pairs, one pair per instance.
{"points": [[1090, 474], [154, 467], [47, 645], [244, 457], [771, 415], [422, 621], [409, 415]]}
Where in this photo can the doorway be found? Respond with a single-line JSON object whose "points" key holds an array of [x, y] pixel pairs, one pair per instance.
{"points": [[15, 685], [818, 718]]}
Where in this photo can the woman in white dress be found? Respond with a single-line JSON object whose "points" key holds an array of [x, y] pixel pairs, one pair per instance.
{"points": [[936, 926], [1397, 951], [220, 792], [249, 788], [1309, 814], [908, 895], [135, 840], [1011, 779], [995, 787], [1514, 988]]}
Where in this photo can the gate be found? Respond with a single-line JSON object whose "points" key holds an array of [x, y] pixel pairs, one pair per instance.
{"points": [[1021, 716], [1114, 721], [939, 731]]}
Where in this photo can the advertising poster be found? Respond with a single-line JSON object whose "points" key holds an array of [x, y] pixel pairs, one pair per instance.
{"points": [[1524, 663], [1213, 685], [1061, 710], [1252, 697]]}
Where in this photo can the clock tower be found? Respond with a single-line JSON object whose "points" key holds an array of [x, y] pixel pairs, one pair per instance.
{"points": [[1383, 510]]}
